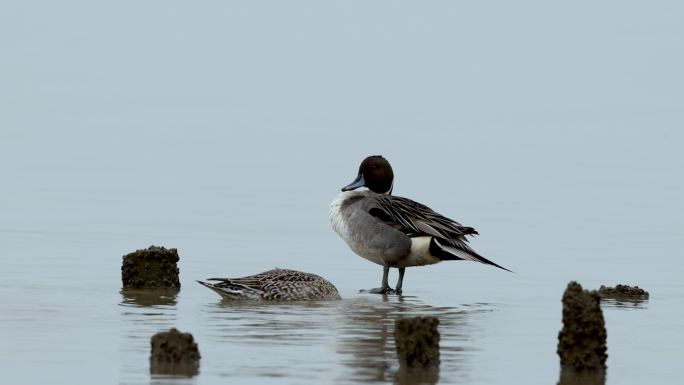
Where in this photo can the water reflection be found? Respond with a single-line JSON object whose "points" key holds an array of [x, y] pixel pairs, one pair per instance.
{"points": [[148, 307], [358, 331], [175, 370], [571, 377], [296, 333], [145, 312], [172, 380], [416, 376], [365, 339], [278, 323], [624, 303], [149, 297], [365, 328]]}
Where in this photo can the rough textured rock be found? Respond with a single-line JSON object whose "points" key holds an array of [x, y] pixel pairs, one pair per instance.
{"points": [[417, 341], [623, 292], [582, 341], [174, 352], [151, 267]]}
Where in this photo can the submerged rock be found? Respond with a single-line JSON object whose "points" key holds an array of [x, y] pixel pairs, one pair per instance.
{"points": [[151, 267], [623, 292], [417, 341], [174, 352], [582, 341]]}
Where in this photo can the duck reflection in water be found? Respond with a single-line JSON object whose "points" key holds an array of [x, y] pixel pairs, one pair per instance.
{"points": [[366, 341]]}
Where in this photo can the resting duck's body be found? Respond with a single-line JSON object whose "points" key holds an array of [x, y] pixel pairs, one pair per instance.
{"points": [[393, 231], [275, 285]]}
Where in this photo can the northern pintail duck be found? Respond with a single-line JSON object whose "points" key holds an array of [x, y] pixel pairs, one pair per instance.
{"points": [[393, 231], [275, 285]]}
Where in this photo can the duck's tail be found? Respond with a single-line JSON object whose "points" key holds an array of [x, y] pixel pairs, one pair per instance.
{"points": [[457, 250]]}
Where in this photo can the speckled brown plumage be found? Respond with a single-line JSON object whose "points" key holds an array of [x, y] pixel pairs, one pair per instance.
{"points": [[275, 285]]}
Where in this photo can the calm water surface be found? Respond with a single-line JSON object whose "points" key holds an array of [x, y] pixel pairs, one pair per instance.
{"points": [[595, 219], [65, 318]]}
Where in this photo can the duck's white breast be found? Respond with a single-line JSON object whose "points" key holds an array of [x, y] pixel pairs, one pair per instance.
{"points": [[338, 218], [344, 217]]}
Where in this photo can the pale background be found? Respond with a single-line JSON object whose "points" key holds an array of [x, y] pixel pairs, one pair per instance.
{"points": [[225, 128]]}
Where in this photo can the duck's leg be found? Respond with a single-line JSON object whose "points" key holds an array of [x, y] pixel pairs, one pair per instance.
{"points": [[384, 289], [402, 270]]}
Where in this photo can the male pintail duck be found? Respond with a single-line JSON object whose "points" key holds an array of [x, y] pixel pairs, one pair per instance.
{"points": [[393, 231], [275, 285]]}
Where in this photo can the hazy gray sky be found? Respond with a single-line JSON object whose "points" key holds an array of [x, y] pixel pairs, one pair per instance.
{"points": [[481, 98]]}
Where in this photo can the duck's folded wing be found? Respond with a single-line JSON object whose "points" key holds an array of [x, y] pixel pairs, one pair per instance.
{"points": [[415, 219]]}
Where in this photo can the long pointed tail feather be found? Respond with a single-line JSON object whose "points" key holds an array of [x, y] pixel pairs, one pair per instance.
{"points": [[458, 251]]}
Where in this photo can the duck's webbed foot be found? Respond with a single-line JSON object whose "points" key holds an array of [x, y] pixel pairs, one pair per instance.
{"points": [[381, 290], [384, 289]]}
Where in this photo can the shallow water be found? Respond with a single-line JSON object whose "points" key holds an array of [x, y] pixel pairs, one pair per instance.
{"points": [[71, 318], [225, 129]]}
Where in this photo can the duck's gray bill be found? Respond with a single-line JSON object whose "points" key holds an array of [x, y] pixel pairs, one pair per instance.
{"points": [[358, 182]]}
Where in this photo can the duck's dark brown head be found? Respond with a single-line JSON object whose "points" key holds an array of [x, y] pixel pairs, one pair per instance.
{"points": [[376, 174]]}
